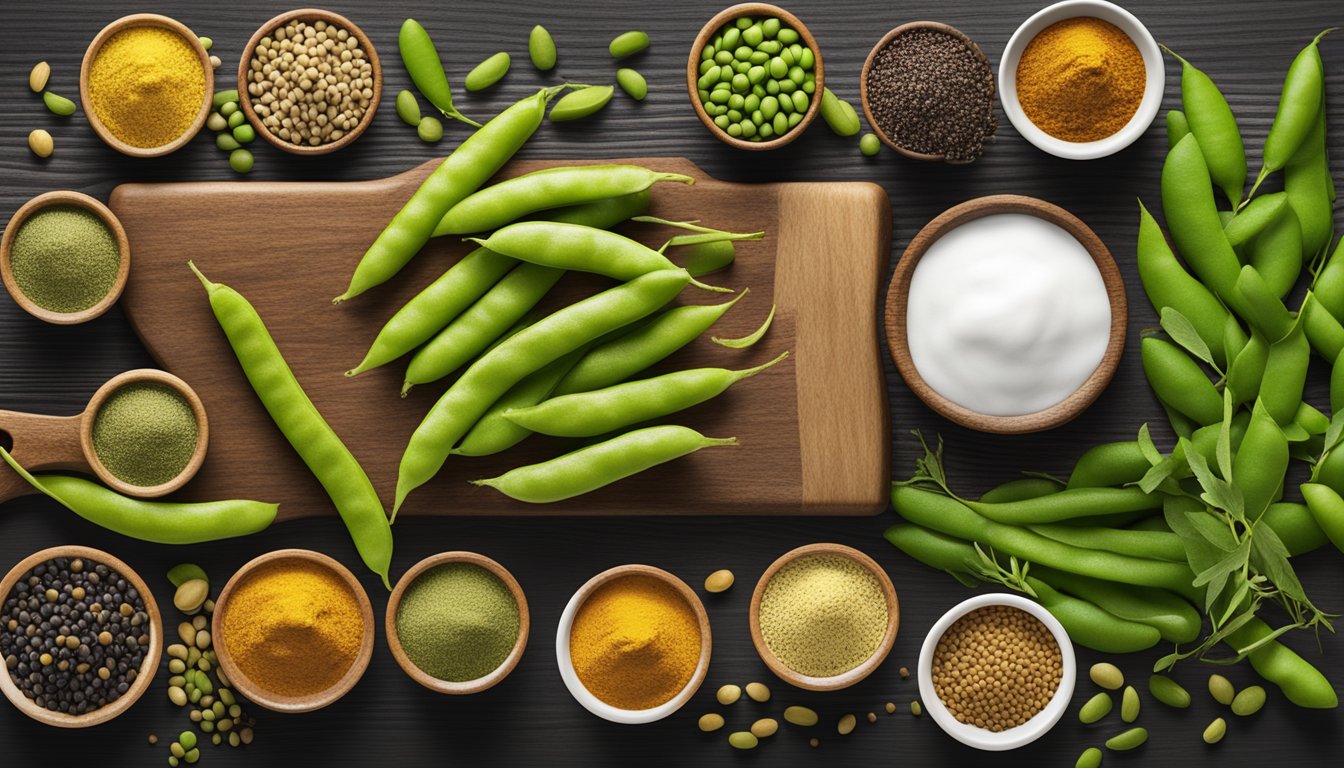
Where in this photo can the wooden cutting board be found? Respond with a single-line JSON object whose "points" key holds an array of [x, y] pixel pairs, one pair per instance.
{"points": [[814, 430]]}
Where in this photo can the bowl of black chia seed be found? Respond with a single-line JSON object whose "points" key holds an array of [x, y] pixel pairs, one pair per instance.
{"points": [[80, 636], [928, 92]]}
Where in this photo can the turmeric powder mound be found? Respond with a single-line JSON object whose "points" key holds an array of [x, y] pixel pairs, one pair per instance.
{"points": [[635, 642], [146, 86], [1081, 79], [294, 628]]}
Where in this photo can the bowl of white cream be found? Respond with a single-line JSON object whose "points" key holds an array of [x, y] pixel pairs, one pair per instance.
{"points": [[1007, 314]]}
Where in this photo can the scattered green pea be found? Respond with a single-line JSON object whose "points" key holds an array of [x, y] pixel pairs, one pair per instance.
{"points": [[224, 97], [541, 48], [915, 708], [1096, 708], [1248, 701], [229, 108], [1168, 691], [240, 160], [869, 145], [628, 44], [488, 72], [1221, 689], [57, 104], [408, 108], [586, 101], [1129, 705], [244, 134], [1091, 758], [633, 83], [430, 129], [1216, 731]]}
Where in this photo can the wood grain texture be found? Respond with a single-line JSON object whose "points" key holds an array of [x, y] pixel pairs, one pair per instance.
{"points": [[820, 413], [529, 719]]}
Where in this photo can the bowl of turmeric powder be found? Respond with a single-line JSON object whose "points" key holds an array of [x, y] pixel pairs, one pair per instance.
{"points": [[1082, 79], [146, 85]]}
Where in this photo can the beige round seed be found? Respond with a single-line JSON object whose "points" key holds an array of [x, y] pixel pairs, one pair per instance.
{"points": [[37, 79], [710, 722], [41, 143], [187, 633], [719, 581], [190, 595], [743, 740], [728, 694], [765, 727], [758, 692], [1107, 676], [1248, 701], [891, 707], [846, 725], [814, 742], [800, 716], [872, 717]]}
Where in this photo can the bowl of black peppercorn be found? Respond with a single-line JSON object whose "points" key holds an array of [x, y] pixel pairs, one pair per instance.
{"points": [[80, 635]]}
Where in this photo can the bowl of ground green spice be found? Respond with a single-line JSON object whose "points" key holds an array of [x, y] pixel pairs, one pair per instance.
{"points": [[145, 433], [824, 616], [64, 257], [457, 622]]}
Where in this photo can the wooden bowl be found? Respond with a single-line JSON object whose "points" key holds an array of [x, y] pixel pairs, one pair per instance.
{"points": [[707, 33], [279, 702], [868, 65], [424, 678], [145, 20], [845, 679], [79, 200], [898, 296], [308, 15], [571, 677], [148, 667], [140, 376]]}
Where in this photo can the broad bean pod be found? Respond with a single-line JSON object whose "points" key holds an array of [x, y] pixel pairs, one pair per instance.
{"points": [[1021, 489], [1301, 683], [1175, 619], [1092, 627], [1178, 381], [1109, 464], [1192, 218], [1261, 462], [1122, 541], [1276, 253], [1211, 120]]}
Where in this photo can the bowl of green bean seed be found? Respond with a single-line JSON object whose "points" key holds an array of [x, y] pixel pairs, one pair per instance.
{"points": [[755, 76]]}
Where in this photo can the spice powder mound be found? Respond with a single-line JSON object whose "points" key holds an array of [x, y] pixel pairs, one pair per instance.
{"points": [[996, 668], [823, 615], [147, 85], [1081, 79]]}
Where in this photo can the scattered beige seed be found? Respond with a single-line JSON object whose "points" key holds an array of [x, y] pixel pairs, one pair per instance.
{"points": [[728, 694], [814, 742], [1107, 676], [872, 717], [800, 716], [37, 80], [710, 722], [915, 708], [41, 143], [743, 740], [891, 708], [846, 725], [719, 581], [905, 673], [765, 727], [1221, 689], [758, 692]]}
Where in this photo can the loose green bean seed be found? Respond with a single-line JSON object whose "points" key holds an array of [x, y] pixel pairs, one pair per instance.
{"points": [[240, 160], [488, 72], [216, 122], [633, 83], [633, 42], [430, 129], [408, 109], [1248, 701], [1091, 758], [586, 101], [225, 142], [1221, 689], [1215, 731], [869, 145], [236, 116], [223, 97], [1168, 691], [743, 740], [1129, 705], [57, 104], [541, 48], [244, 134], [1107, 676], [838, 114], [1095, 709], [1131, 739]]}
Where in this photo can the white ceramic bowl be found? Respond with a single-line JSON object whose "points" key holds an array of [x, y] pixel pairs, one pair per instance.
{"points": [[1152, 93], [1012, 738], [581, 693]]}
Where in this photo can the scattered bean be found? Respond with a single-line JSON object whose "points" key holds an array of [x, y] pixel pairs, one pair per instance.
{"points": [[720, 581], [710, 722], [915, 708], [41, 143], [800, 716], [765, 727], [1131, 739], [1168, 691], [870, 145], [633, 83], [1107, 676], [628, 44], [758, 692], [1129, 705], [846, 725], [37, 78], [838, 114], [216, 122], [408, 108], [728, 694], [488, 72], [1091, 758], [1096, 708], [58, 105], [240, 160], [541, 48], [581, 103], [1221, 689], [1216, 730], [1248, 701], [430, 129]]}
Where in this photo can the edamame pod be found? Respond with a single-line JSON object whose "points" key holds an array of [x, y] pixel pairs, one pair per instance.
{"points": [[510, 200], [1301, 683], [581, 103], [1168, 285], [541, 48], [1329, 287], [1295, 526], [1247, 370], [303, 426], [158, 521], [1122, 541], [1255, 218], [1109, 464], [1179, 382], [1260, 306], [1090, 626], [1299, 104], [1177, 127], [1324, 333], [1260, 464], [1276, 253], [1285, 376], [838, 114], [422, 63], [1192, 217], [1306, 179], [1175, 619], [495, 432], [934, 549], [595, 466], [1213, 124], [488, 72], [1327, 507], [499, 369], [1021, 489], [588, 414], [475, 160], [1069, 504]]}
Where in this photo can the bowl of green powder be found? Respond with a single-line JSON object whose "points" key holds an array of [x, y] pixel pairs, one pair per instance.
{"points": [[824, 616], [457, 622], [64, 257], [144, 433]]}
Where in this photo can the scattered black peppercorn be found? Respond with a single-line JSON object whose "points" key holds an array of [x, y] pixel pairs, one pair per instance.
{"points": [[73, 635], [929, 92]]}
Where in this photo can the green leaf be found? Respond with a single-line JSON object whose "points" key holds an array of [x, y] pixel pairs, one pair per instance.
{"points": [[1213, 530], [1233, 561], [1198, 551], [1147, 447], [1270, 557], [1234, 602], [1217, 491], [1183, 332], [1224, 449], [1159, 474]]}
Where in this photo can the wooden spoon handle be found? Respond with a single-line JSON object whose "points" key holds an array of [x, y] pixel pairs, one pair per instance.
{"points": [[40, 443]]}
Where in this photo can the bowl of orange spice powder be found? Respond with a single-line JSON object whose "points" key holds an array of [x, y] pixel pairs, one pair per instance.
{"points": [[146, 85], [1082, 79], [293, 630], [633, 644]]}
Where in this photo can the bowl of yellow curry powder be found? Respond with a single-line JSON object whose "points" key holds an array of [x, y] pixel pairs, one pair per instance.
{"points": [[824, 616], [633, 644], [1082, 79], [293, 630], [146, 85]]}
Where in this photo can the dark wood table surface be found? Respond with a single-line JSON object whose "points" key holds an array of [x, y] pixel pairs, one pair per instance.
{"points": [[530, 719]]}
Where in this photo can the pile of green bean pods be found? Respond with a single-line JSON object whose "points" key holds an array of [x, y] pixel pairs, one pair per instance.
{"points": [[1138, 543]]}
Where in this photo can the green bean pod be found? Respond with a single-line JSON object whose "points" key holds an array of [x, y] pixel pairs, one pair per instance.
{"points": [[1174, 618], [1090, 626], [596, 466], [571, 246], [949, 516], [495, 372], [1254, 218], [1177, 127], [1327, 508], [1301, 683], [488, 72], [471, 332], [1122, 541], [1109, 464], [1285, 376], [1205, 439], [156, 521], [588, 414], [510, 200], [426, 69], [1261, 307], [1069, 504], [1168, 285], [706, 258], [475, 160], [1261, 462], [298, 419], [1337, 384], [1276, 253], [1192, 218], [1329, 286], [495, 433], [933, 549], [614, 361], [1247, 370], [1300, 102], [1306, 180], [1021, 489], [1213, 124], [1324, 333], [1179, 382]]}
